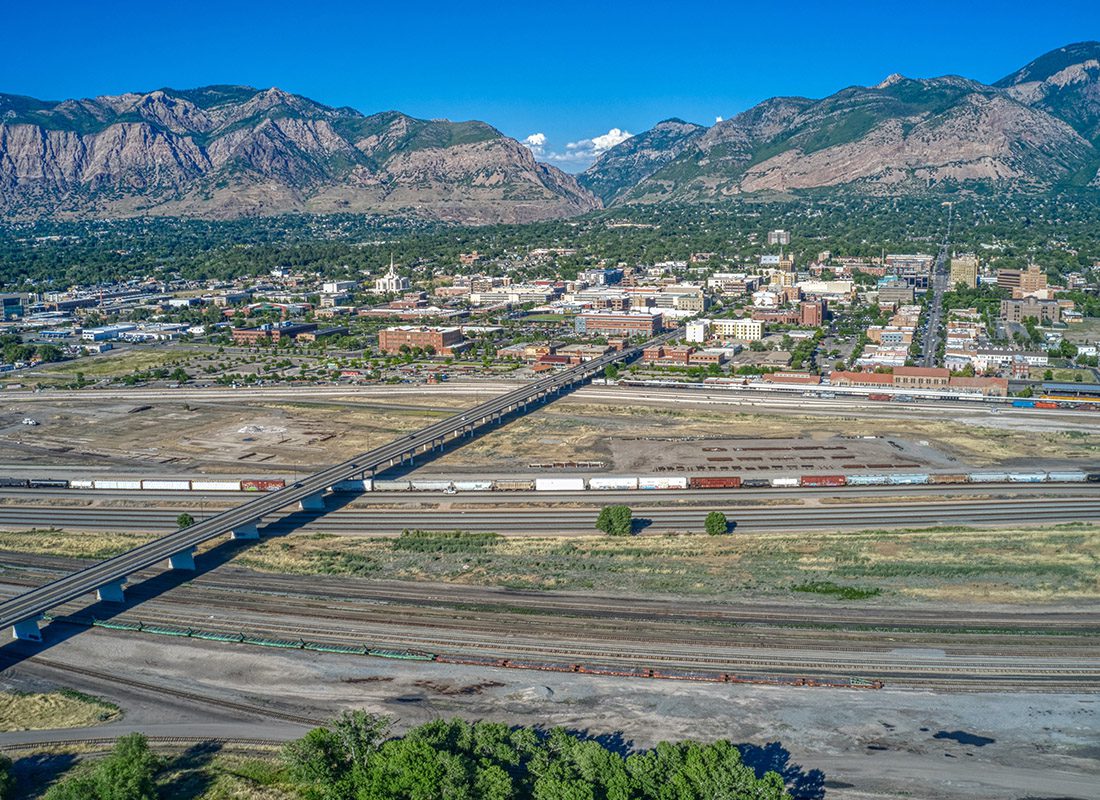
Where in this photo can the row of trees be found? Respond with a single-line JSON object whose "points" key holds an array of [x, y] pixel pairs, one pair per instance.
{"points": [[619, 521], [356, 758], [457, 760]]}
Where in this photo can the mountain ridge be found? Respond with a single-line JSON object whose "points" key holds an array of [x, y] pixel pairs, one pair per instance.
{"points": [[225, 151], [1033, 130]]}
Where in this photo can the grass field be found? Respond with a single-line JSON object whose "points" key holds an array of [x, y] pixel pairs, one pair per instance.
{"points": [[27, 711], [112, 364], [1026, 564], [1059, 563]]}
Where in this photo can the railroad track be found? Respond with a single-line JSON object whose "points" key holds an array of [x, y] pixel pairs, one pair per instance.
{"points": [[163, 741], [330, 600], [178, 694], [571, 520], [853, 661]]}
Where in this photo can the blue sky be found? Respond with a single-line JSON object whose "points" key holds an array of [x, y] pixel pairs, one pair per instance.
{"points": [[574, 72]]}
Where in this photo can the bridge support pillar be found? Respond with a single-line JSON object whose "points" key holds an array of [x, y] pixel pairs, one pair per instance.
{"points": [[112, 592], [27, 630], [313, 502], [184, 559], [249, 531]]}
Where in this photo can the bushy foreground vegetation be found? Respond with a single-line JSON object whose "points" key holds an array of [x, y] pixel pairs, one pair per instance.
{"points": [[355, 758], [489, 761]]}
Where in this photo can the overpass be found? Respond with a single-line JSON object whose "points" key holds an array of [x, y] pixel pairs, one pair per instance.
{"points": [[108, 578]]}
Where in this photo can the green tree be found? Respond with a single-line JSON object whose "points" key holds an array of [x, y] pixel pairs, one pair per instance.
{"points": [[128, 773], [184, 520], [7, 780], [615, 520], [716, 523]]}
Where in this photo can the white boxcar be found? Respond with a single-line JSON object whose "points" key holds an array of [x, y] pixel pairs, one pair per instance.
{"points": [[988, 477], [352, 486], [166, 486], [1027, 477], [80, 483], [662, 483], [117, 484], [391, 486], [473, 486], [608, 484], [784, 483], [559, 484], [215, 486]]}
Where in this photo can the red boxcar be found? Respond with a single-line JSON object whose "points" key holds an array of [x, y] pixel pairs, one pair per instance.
{"points": [[823, 480], [885, 397], [708, 482], [1046, 404], [262, 485]]}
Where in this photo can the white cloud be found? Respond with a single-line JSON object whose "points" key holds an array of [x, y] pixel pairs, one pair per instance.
{"points": [[598, 145], [537, 143], [577, 155]]}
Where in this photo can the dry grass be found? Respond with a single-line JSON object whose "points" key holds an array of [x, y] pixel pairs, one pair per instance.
{"points": [[1020, 565], [1025, 564], [46, 711], [73, 545]]}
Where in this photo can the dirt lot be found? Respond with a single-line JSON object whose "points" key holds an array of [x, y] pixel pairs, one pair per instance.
{"points": [[847, 744], [287, 433]]}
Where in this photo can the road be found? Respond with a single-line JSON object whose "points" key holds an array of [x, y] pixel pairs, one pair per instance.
{"points": [[308, 491], [935, 318]]}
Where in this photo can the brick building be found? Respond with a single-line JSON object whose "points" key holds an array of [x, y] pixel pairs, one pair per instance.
{"points": [[811, 313], [442, 341], [624, 324], [1017, 310], [250, 336]]}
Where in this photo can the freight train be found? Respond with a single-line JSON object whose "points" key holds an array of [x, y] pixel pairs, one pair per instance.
{"points": [[573, 483]]}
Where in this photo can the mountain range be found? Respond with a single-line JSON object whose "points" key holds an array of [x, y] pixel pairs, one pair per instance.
{"points": [[230, 151], [1034, 130]]}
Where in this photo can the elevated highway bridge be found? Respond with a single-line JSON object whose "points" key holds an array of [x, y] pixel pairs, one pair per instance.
{"points": [[107, 578]]}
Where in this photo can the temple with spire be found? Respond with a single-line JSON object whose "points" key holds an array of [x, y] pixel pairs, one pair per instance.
{"points": [[391, 282]]}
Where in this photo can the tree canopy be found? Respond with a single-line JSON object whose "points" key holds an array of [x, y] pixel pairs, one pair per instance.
{"points": [[458, 760]]}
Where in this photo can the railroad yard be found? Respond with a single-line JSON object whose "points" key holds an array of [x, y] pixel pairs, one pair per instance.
{"points": [[940, 623]]}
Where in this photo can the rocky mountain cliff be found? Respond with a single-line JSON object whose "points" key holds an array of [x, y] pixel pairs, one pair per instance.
{"points": [[639, 157], [231, 151], [1034, 130]]}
